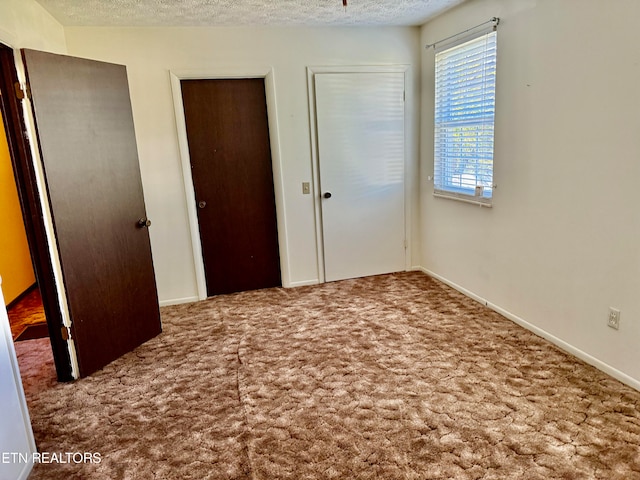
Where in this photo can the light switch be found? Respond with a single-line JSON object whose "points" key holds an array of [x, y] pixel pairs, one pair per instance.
{"points": [[306, 188]]}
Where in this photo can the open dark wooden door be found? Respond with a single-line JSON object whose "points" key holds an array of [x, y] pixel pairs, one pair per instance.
{"points": [[228, 135], [87, 144]]}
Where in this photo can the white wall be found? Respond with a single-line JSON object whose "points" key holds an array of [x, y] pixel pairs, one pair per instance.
{"points": [[561, 243], [25, 24], [150, 53]]}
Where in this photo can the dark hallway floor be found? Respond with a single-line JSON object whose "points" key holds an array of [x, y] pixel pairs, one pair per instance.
{"points": [[27, 317]]}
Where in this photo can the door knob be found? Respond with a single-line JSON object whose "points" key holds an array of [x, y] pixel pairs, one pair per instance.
{"points": [[202, 204], [327, 195], [144, 222]]}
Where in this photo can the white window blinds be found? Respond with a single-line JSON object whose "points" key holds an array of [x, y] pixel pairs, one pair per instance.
{"points": [[464, 119]]}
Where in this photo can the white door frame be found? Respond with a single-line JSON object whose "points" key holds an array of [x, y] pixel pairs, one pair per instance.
{"points": [[315, 158], [276, 161], [17, 419]]}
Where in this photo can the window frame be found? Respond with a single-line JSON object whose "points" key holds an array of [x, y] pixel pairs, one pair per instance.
{"points": [[484, 43]]}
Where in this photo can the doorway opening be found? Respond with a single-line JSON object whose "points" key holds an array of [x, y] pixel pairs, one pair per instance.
{"points": [[41, 294], [24, 302]]}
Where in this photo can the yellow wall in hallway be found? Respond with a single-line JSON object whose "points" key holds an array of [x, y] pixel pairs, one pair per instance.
{"points": [[15, 262]]}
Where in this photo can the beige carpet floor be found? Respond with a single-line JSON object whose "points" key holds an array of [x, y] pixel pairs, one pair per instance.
{"points": [[389, 377]]}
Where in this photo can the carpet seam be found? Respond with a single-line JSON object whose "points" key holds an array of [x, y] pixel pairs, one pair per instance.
{"points": [[244, 412]]}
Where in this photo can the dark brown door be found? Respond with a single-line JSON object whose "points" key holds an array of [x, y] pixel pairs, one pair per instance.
{"points": [[88, 148], [228, 137]]}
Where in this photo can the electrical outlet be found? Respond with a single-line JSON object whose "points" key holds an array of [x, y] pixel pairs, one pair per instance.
{"points": [[614, 318]]}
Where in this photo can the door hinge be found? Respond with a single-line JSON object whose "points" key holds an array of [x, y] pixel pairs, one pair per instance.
{"points": [[406, 244], [404, 95], [20, 93], [66, 333]]}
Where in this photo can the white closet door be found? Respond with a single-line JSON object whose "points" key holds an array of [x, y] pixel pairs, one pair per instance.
{"points": [[16, 436], [360, 126]]}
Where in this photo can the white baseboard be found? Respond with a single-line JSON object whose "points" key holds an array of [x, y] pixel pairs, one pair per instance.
{"points": [[178, 301], [576, 352], [303, 283]]}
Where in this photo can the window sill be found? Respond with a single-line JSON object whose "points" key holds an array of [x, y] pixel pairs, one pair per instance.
{"points": [[480, 201]]}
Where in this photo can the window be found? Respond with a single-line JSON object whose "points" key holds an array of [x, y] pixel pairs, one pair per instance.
{"points": [[464, 119]]}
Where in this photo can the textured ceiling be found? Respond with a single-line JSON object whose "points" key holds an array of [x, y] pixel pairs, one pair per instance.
{"points": [[244, 12]]}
